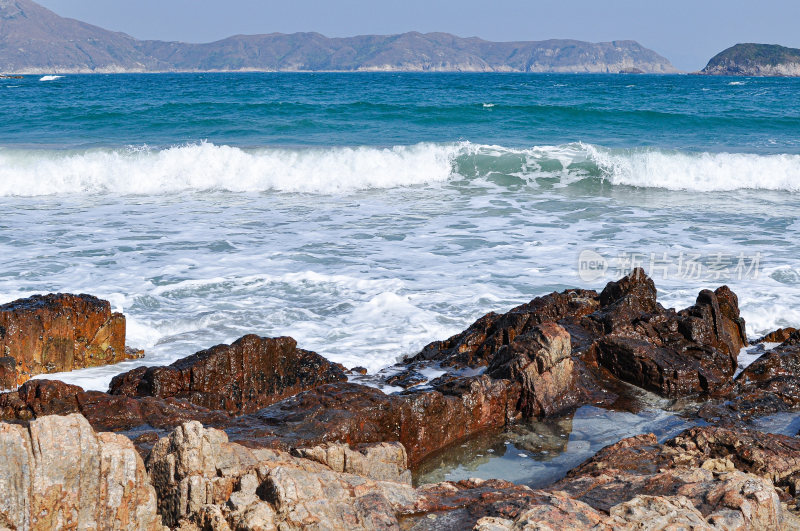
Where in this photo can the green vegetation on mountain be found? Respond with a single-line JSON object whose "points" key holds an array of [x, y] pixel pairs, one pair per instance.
{"points": [[752, 59]]}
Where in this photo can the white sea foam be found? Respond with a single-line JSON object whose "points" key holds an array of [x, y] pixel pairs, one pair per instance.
{"points": [[702, 172], [49, 78], [209, 167], [205, 166]]}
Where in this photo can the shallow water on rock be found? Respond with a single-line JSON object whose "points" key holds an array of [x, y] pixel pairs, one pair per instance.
{"points": [[538, 453]]}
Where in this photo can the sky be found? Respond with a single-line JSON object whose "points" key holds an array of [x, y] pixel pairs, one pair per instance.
{"points": [[687, 32]]}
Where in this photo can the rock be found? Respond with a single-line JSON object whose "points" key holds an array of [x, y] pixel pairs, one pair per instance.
{"points": [[8, 373], [477, 345], [380, 461], [726, 475], [658, 512], [243, 377], [59, 474], [60, 332], [200, 478], [355, 414], [671, 353], [539, 360], [769, 385], [623, 330], [777, 336], [553, 511]]}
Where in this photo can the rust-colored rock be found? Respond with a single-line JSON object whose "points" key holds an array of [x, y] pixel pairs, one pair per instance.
{"points": [[623, 329], [60, 332], [243, 377], [8, 373], [777, 336], [423, 421]]}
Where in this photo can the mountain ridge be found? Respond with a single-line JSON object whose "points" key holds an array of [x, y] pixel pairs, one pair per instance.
{"points": [[35, 40]]}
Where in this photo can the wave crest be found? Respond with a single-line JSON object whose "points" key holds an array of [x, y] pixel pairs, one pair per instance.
{"points": [[205, 167]]}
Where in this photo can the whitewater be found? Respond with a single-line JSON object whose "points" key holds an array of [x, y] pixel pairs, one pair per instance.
{"points": [[367, 215]]}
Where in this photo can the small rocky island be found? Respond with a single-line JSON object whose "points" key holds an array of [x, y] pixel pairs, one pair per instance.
{"points": [[263, 435], [755, 60]]}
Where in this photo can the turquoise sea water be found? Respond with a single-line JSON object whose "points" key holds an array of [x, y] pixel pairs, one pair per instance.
{"points": [[368, 214]]}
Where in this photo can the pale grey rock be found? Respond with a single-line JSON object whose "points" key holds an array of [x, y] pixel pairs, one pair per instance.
{"points": [[60, 474]]}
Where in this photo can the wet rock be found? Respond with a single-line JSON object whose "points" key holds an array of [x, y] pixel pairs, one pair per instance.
{"points": [[771, 384], [424, 421], [406, 379], [243, 377], [539, 360], [359, 370], [59, 474], [60, 332], [623, 331], [477, 345], [671, 353], [777, 336]]}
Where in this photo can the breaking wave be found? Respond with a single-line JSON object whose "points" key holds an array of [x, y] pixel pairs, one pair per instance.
{"points": [[205, 166]]}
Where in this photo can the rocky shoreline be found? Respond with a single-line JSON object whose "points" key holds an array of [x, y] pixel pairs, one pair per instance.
{"points": [[261, 434]]}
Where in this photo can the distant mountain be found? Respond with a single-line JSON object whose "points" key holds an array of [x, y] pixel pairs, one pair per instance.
{"points": [[36, 40], [755, 60]]}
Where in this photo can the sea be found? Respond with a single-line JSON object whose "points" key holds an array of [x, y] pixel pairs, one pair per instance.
{"points": [[368, 214]]}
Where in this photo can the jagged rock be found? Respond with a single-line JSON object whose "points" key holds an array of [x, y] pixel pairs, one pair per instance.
{"points": [[623, 329], [777, 336], [243, 377], [380, 461], [477, 345], [59, 474], [671, 353], [200, 478], [60, 332], [539, 360], [769, 385], [726, 475]]}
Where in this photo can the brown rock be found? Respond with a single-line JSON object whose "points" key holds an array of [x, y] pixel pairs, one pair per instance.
{"points": [[8, 373], [769, 385], [60, 332], [539, 360], [59, 474], [727, 475], [477, 345], [777, 336], [671, 353], [355, 414], [243, 377]]}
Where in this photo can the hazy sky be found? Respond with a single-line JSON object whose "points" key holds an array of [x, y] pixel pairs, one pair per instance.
{"points": [[688, 32]]}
